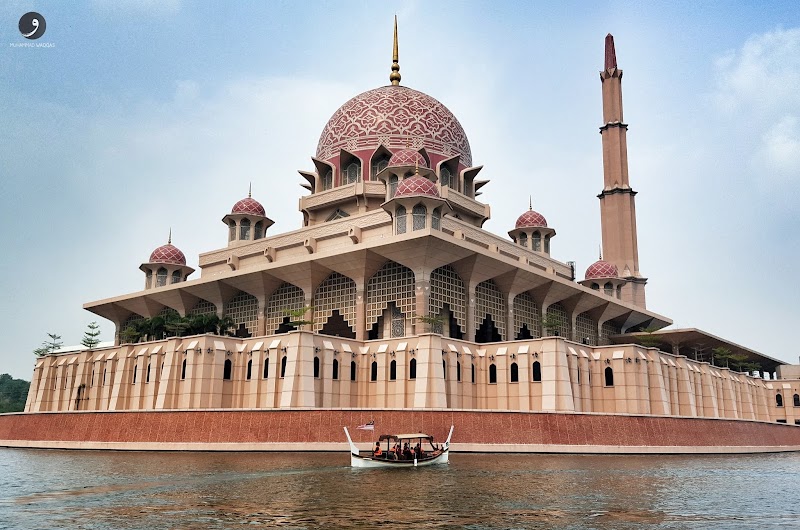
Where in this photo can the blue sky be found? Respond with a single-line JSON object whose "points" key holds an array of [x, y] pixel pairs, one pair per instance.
{"points": [[146, 116]]}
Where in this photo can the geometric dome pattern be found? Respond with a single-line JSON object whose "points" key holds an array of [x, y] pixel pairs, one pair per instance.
{"points": [[416, 185], [407, 157], [168, 254], [393, 116], [250, 206], [601, 269], [531, 219]]}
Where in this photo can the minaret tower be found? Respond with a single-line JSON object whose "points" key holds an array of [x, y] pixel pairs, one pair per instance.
{"points": [[617, 203]]}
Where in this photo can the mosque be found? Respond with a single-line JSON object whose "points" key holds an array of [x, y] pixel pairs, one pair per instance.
{"points": [[393, 304]]}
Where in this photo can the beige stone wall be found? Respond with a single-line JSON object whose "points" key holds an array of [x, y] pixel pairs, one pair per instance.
{"points": [[573, 378]]}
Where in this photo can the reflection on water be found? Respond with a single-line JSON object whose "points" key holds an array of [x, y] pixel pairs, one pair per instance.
{"points": [[110, 490]]}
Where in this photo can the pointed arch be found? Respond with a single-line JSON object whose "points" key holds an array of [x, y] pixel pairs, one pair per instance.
{"points": [[243, 309], [286, 298], [490, 302], [447, 288], [337, 293], [393, 283]]}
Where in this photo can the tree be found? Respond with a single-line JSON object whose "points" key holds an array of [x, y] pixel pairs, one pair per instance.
{"points": [[13, 393], [649, 341], [91, 336], [433, 322], [720, 354], [297, 316], [551, 323], [49, 346]]}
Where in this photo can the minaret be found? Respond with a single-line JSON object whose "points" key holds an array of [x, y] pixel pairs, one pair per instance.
{"points": [[394, 77], [617, 203]]}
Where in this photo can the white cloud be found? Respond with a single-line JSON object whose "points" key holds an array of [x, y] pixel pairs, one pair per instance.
{"points": [[779, 151]]}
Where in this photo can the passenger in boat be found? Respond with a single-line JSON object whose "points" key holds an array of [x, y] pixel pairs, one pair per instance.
{"points": [[418, 450], [377, 452], [407, 452], [395, 452]]}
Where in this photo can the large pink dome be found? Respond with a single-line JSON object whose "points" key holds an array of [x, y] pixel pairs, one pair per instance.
{"points": [[601, 269], [407, 157], [249, 206], [531, 219], [416, 185], [393, 115], [168, 254]]}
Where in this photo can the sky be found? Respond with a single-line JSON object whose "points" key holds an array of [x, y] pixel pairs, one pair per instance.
{"points": [[134, 118]]}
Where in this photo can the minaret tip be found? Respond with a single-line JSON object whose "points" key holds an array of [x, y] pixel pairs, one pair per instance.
{"points": [[611, 54], [169, 238], [394, 77], [530, 203], [250, 191], [600, 251]]}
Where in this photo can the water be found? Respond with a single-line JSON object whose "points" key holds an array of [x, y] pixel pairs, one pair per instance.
{"points": [[41, 489]]}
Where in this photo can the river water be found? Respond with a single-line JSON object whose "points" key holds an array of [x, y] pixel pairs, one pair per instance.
{"points": [[43, 489]]}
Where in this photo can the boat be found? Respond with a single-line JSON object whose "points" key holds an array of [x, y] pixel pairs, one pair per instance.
{"points": [[436, 454]]}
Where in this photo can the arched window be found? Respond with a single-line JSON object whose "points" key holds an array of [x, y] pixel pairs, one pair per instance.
{"points": [[249, 369], [327, 180], [392, 185], [373, 373], [778, 400], [147, 379], [797, 400], [458, 371], [316, 366], [379, 165], [445, 177], [412, 369], [492, 374], [393, 371], [609, 376], [135, 369], [547, 245], [537, 241], [258, 233], [183, 369], [418, 215], [244, 229], [596, 286], [352, 370], [619, 292], [473, 373], [608, 289], [523, 239], [335, 369], [232, 231], [161, 277], [436, 219], [266, 368], [351, 173], [537, 372], [444, 369], [176, 276], [400, 219], [226, 372], [514, 373], [283, 366]]}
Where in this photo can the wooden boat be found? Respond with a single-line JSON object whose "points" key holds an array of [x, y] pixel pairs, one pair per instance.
{"points": [[436, 454]]}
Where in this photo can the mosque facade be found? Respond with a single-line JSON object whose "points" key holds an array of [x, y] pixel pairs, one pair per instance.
{"points": [[393, 300]]}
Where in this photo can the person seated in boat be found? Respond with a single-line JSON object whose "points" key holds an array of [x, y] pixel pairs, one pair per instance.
{"points": [[377, 452], [407, 452], [394, 452], [418, 450]]}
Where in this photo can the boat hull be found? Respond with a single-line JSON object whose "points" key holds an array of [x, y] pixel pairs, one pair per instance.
{"points": [[366, 461]]}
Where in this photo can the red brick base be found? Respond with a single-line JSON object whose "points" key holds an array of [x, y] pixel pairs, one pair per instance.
{"points": [[474, 430]]}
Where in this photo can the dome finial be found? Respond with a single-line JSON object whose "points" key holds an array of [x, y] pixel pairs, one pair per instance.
{"points": [[169, 238], [250, 191], [394, 77], [600, 251], [530, 203]]}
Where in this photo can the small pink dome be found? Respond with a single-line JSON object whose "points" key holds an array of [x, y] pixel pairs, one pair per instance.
{"points": [[168, 254], [531, 219], [416, 185], [407, 157], [601, 269], [249, 206]]}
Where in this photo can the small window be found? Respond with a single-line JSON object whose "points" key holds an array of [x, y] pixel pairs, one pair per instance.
{"points": [[316, 367], [147, 379], [796, 400], [537, 372], [176, 277], [393, 371], [352, 370], [249, 369], [400, 219], [418, 214], [436, 219], [492, 374], [258, 233], [335, 369], [283, 366], [473, 373], [412, 369], [392, 185], [227, 370], [609, 376], [458, 372], [266, 368], [537, 241], [523, 239], [445, 177], [547, 245], [596, 286], [444, 369], [778, 400], [514, 373], [608, 289], [135, 369], [232, 231], [327, 180], [244, 229], [373, 372], [183, 370], [379, 165], [161, 277], [781, 421], [619, 292], [352, 173], [104, 379]]}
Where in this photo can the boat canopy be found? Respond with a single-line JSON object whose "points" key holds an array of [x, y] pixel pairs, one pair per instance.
{"points": [[399, 437]]}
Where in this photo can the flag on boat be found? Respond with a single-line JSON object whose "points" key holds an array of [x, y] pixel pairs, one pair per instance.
{"points": [[367, 426]]}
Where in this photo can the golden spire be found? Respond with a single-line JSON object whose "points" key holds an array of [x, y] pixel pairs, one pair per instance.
{"points": [[394, 77], [169, 239], [250, 191]]}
